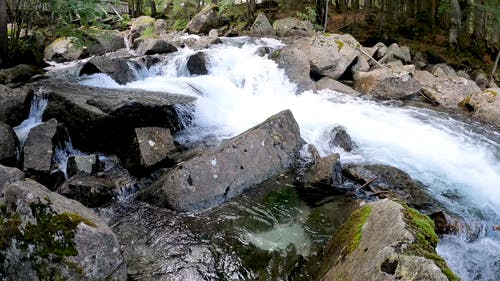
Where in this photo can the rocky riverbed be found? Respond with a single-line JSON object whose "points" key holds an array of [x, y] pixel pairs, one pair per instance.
{"points": [[193, 157]]}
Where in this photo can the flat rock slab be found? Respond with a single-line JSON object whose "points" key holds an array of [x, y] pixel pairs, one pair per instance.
{"points": [[216, 175], [38, 150], [99, 118]]}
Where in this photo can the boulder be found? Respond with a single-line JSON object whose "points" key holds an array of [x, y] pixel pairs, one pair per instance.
{"points": [[387, 83], [106, 41], [424, 77], [91, 191], [384, 241], [213, 33], [296, 66], [288, 27], [51, 235], [83, 165], [334, 85], [122, 70], [261, 27], [481, 79], [443, 70], [396, 53], [39, 149], [450, 91], [330, 55], [218, 174], [485, 105], [446, 224], [340, 138], [14, 104], [139, 25], [390, 182], [20, 73], [9, 145], [9, 175], [99, 119], [152, 46], [204, 21], [64, 49], [197, 64], [361, 64], [325, 174], [148, 147]]}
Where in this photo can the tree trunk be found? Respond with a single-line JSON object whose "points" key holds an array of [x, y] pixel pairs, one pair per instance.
{"points": [[138, 8], [455, 23], [250, 10], [494, 71], [153, 8], [4, 42], [320, 11]]}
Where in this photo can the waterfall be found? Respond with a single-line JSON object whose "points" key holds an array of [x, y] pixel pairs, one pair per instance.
{"points": [[38, 105], [458, 162]]}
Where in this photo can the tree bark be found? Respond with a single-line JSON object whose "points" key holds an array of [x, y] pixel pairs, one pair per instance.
{"points": [[320, 11], [455, 23], [138, 8], [153, 8], [4, 42]]}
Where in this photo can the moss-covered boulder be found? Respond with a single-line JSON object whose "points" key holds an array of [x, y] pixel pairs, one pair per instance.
{"points": [[45, 236], [206, 20], [485, 105], [384, 240], [65, 49]]}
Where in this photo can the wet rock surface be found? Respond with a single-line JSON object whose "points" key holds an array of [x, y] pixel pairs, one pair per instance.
{"points": [[152, 46], [120, 69], [224, 172], [66, 238], [88, 190], [39, 149], [9, 145], [197, 64], [296, 66], [14, 104], [97, 118], [83, 165]]}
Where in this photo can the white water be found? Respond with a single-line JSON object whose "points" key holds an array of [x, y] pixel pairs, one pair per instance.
{"points": [[38, 105], [460, 167]]}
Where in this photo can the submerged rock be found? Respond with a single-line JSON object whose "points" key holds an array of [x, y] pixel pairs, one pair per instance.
{"points": [[340, 138], [9, 145], [39, 149], [221, 173], [50, 235], [390, 182], [293, 27], [99, 119], [14, 104], [384, 241]]}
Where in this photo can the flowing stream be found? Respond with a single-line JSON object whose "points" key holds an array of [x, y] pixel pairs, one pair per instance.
{"points": [[459, 163]]}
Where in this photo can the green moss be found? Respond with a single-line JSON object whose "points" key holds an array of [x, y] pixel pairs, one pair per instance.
{"points": [[149, 31], [347, 238], [491, 92], [46, 243], [340, 44], [425, 240]]}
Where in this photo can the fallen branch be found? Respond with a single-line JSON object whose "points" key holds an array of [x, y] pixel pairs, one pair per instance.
{"points": [[370, 57], [366, 184]]}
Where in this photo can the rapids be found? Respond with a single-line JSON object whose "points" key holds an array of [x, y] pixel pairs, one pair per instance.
{"points": [[458, 162]]}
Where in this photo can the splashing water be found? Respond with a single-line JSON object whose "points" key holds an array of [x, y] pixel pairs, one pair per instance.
{"points": [[38, 105], [459, 163]]}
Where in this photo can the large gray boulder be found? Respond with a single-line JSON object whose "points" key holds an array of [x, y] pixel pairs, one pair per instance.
{"points": [[261, 27], [334, 85], [221, 173], [9, 145], [153, 46], [206, 20], [99, 119], [122, 70], [148, 147], [296, 66], [450, 91], [51, 235], [9, 175], [485, 105], [14, 104], [384, 241], [396, 53], [329, 55], [293, 27], [39, 149], [385, 83], [64, 49], [20, 73], [106, 41]]}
